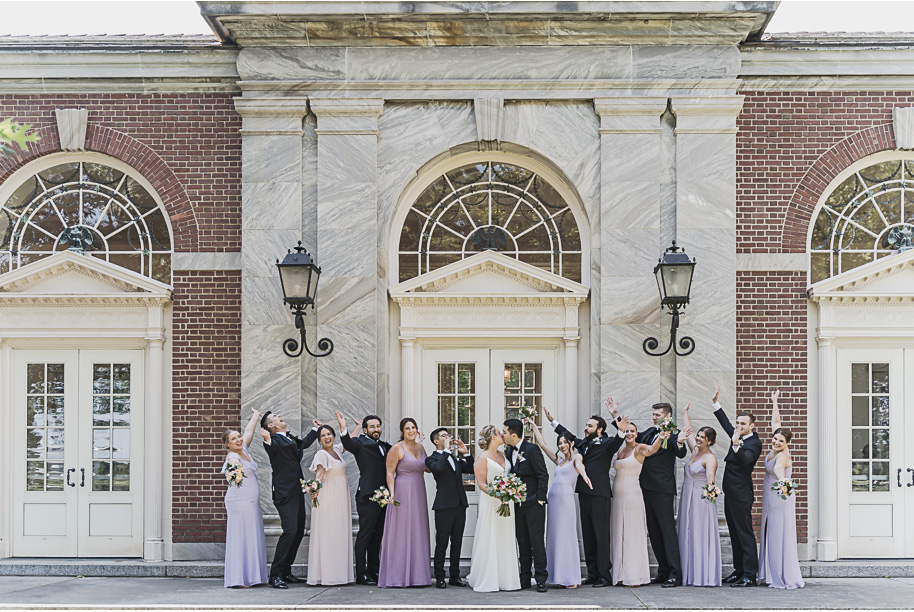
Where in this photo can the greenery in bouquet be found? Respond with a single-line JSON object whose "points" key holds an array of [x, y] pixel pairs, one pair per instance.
{"points": [[507, 488], [382, 498], [312, 488]]}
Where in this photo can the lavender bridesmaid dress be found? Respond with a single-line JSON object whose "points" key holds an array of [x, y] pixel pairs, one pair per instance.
{"points": [[245, 546], [563, 558], [699, 539], [406, 548], [778, 562]]}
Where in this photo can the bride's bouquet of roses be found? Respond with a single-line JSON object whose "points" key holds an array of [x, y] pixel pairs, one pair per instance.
{"points": [[382, 498], [526, 412], [710, 492], [507, 488], [668, 425], [784, 487], [311, 487], [234, 473]]}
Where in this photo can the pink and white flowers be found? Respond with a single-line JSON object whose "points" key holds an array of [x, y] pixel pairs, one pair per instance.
{"points": [[312, 488], [234, 473], [507, 488], [668, 425], [382, 498], [784, 487], [710, 492]]}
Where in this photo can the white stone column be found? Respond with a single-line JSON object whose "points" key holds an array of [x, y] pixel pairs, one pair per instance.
{"points": [[630, 173], [153, 434], [706, 228], [352, 304], [827, 541], [6, 452], [409, 402]]}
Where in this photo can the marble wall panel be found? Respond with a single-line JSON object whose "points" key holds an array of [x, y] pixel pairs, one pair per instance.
{"points": [[261, 302], [275, 391], [685, 61], [712, 248], [715, 347], [631, 204], [354, 348], [352, 393], [634, 250], [348, 252], [263, 349], [347, 301], [261, 248], [273, 158], [635, 392], [713, 301], [629, 300], [346, 158], [621, 348], [706, 204], [292, 63], [271, 205], [350, 205]]}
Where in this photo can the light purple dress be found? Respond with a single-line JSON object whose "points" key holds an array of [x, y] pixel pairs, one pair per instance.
{"points": [[699, 539], [406, 551], [245, 546], [563, 558], [778, 561]]}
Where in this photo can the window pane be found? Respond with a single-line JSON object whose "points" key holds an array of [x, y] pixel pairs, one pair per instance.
{"points": [[860, 375], [860, 411], [880, 444], [465, 412], [445, 378], [34, 443], [465, 378], [446, 412], [120, 444], [101, 378], [36, 378], [101, 476], [121, 411], [34, 475], [55, 476], [35, 414], [880, 378], [121, 476], [101, 410], [55, 411], [880, 411], [101, 443], [121, 378], [860, 476], [55, 378], [860, 444], [880, 473]]}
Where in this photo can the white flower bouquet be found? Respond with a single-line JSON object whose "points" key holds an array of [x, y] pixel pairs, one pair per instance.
{"points": [[507, 488]]}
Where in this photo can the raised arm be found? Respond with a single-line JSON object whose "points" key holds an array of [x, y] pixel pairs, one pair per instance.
{"points": [[351, 445], [311, 437], [538, 438], [578, 460], [721, 415], [393, 458], [775, 413], [647, 451], [248, 434], [690, 441]]}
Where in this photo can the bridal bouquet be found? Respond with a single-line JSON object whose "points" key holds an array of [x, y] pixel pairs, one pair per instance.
{"points": [[784, 487], [382, 498], [234, 473], [527, 412], [311, 487], [667, 424], [710, 492], [507, 488]]}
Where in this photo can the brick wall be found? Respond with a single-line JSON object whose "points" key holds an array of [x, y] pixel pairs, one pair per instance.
{"points": [[206, 398]]}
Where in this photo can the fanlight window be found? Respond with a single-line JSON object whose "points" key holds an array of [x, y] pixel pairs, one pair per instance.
{"points": [[868, 216], [490, 206], [89, 208]]}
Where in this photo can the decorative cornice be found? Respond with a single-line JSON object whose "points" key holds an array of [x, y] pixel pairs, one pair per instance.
{"points": [[103, 300], [504, 300], [41, 276], [850, 287]]}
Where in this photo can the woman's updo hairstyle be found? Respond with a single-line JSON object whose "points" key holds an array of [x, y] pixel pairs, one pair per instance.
{"points": [[403, 423], [485, 436], [710, 435], [328, 428], [226, 434], [784, 432]]}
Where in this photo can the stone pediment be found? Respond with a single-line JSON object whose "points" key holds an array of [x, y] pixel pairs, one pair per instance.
{"points": [[486, 277], [886, 280], [70, 278]]}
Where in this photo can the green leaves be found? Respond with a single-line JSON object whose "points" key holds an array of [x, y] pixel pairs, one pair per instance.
{"points": [[15, 133]]}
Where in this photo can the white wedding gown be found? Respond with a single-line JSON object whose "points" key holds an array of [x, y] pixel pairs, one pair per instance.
{"points": [[493, 564]]}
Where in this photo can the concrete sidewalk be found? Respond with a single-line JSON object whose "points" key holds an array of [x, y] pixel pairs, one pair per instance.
{"points": [[73, 592]]}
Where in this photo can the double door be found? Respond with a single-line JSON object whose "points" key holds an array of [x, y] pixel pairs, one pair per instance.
{"points": [[78, 453], [464, 390], [875, 456]]}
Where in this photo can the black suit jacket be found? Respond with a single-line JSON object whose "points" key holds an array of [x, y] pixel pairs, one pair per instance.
{"points": [[286, 453], [598, 456], [659, 471], [739, 465], [372, 463], [449, 482], [531, 469]]}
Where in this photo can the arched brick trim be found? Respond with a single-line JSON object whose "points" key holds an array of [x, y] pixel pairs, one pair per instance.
{"points": [[140, 157], [823, 171]]}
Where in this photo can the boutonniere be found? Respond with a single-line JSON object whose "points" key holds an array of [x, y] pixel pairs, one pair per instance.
{"points": [[520, 456], [597, 441]]}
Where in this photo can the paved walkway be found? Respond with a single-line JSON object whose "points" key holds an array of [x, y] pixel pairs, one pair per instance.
{"points": [[73, 592]]}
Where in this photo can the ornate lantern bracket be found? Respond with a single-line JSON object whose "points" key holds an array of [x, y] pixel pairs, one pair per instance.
{"points": [[674, 281], [299, 275]]}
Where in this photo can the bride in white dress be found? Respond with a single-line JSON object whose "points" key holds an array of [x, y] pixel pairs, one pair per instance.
{"points": [[493, 564]]}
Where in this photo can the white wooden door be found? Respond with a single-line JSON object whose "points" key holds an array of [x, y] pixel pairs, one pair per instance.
{"points": [[78, 453], [872, 461]]}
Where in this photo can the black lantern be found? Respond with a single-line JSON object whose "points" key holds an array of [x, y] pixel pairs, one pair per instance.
{"points": [[674, 281], [299, 275]]}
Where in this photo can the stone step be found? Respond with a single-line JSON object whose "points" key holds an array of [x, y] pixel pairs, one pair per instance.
{"points": [[857, 568]]}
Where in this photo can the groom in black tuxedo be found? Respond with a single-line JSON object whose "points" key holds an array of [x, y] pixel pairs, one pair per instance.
{"points": [[370, 454], [530, 523], [285, 452], [739, 495], [450, 504], [598, 451]]}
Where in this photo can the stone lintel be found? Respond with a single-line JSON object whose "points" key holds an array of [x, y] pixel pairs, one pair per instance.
{"points": [[711, 115], [271, 115], [626, 114], [347, 115]]}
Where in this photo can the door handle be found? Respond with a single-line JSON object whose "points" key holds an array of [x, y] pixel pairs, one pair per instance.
{"points": [[899, 477], [70, 471], [82, 483], [911, 484]]}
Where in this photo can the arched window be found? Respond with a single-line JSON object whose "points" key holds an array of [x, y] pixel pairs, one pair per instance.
{"points": [[490, 205], [88, 207], [870, 214]]}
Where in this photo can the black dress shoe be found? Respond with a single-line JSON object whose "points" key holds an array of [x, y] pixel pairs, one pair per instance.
{"points": [[291, 579], [745, 582], [660, 579], [541, 587], [734, 577], [589, 580], [602, 582], [441, 583], [278, 583], [366, 580], [457, 582], [670, 583]]}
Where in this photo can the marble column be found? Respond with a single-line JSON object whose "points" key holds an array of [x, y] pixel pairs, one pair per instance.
{"points": [[706, 228], [6, 453], [827, 541], [630, 241], [153, 540], [352, 304]]}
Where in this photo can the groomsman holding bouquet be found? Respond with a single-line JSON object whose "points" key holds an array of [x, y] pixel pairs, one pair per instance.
{"points": [[448, 464], [739, 495]]}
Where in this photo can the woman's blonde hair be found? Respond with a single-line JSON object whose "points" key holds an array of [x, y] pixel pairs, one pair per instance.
{"points": [[485, 436]]}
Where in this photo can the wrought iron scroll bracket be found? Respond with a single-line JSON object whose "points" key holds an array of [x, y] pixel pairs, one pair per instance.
{"points": [[294, 348], [686, 343]]}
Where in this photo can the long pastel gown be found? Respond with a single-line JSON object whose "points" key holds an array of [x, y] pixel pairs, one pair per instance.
{"points": [[406, 547], [330, 542], [778, 562], [245, 546], [699, 539], [493, 562], [628, 526], [563, 558]]}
